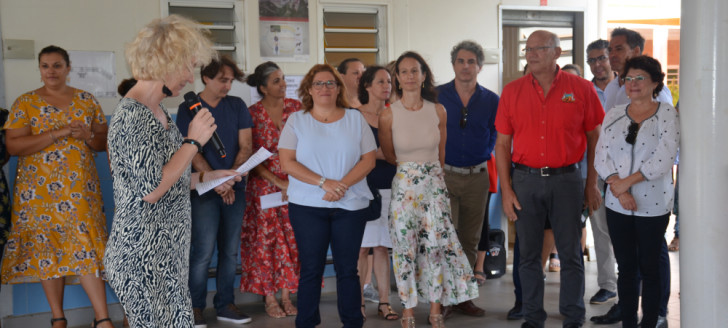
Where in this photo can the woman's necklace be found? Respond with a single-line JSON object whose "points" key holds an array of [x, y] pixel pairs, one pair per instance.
{"points": [[417, 106], [320, 117], [375, 113]]}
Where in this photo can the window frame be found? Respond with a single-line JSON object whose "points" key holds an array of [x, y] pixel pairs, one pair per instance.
{"points": [[384, 33]]}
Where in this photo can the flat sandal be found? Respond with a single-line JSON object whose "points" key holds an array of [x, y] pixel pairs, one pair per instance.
{"points": [[274, 310], [288, 308], [54, 320]]}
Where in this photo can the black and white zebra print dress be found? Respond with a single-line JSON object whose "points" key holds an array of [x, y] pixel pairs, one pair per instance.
{"points": [[147, 255]]}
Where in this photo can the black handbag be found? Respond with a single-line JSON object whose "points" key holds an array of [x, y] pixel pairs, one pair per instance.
{"points": [[495, 256], [374, 210]]}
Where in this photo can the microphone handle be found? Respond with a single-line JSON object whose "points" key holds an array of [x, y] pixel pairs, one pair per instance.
{"points": [[216, 142]]}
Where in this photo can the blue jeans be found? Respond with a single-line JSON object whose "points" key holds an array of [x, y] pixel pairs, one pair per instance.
{"points": [[315, 228], [214, 223]]}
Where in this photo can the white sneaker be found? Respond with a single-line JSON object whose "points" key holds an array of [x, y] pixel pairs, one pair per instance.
{"points": [[370, 294]]}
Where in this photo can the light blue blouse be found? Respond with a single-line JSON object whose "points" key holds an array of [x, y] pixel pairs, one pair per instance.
{"points": [[330, 150]]}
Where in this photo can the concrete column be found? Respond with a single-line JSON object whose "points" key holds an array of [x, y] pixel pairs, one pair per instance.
{"points": [[659, 44], [704, 163], [602, 20]]}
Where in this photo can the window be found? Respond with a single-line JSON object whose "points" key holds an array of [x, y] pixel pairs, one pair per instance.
{"points": [[354, 32], [220, 18], [566, 38]]}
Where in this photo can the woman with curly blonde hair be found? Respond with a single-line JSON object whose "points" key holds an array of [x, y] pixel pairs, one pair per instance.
{"points": [[147, 257]]}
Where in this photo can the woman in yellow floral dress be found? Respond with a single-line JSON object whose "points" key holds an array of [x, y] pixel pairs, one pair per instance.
{"points": [[58, 228]]}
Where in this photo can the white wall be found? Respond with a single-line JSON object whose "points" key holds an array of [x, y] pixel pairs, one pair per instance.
{"points": [[430, 27]]}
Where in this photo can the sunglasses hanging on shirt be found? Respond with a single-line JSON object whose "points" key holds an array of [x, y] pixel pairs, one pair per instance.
{"points": [[463, 117], [631, 138]]}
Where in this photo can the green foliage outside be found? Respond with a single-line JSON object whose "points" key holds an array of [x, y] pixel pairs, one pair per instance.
{"points": [[675, 90]]}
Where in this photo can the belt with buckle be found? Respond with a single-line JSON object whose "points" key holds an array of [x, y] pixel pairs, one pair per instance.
{"points": [[467, 169], [545, 171]]}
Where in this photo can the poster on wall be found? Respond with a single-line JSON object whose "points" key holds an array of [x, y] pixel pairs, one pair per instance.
{"points": [[284, 30], [93, 71]]}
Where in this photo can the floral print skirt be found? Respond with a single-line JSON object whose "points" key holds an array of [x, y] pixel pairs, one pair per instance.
{"points": [[429, 263]]}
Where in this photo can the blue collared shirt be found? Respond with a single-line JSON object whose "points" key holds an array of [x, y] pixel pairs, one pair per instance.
{"points": [[600, 93], [474, 143]]}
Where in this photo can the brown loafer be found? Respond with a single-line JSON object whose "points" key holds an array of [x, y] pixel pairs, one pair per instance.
{"points": [[469, 308]]}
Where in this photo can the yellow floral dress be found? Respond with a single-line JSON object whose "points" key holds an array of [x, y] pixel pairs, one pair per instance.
{"points": [[58, 226]]}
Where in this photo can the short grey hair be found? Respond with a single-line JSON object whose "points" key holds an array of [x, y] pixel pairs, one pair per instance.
{"points": [[471, 46], [555, 41], [598, 45]]}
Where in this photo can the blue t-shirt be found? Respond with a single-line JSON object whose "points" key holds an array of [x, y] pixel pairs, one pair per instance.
{"points": [[231, 115], [330, 150], [473, 144]]}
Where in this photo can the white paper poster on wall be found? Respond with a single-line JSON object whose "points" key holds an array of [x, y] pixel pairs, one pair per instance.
{"points": [[284, 30], [292, 84], [93, 71]]}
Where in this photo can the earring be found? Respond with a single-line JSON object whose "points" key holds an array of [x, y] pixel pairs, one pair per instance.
{"points": [[423, 85], [399, 86]]}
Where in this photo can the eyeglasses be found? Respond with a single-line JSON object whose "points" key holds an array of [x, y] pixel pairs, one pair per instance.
{"points": [[592, 61], [330, 84], [637, 78], [532, 49], [631, 138], [463, 117]]}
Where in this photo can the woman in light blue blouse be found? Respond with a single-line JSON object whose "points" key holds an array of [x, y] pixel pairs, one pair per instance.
{"points": [[635, 153], [327, 150]]}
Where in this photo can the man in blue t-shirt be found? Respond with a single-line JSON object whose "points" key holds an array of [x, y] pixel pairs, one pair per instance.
{"points": [[217, 217], [471, 137]]}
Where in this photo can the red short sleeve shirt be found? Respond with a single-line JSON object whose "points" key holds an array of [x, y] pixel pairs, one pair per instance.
{"points": [[549, 131]]}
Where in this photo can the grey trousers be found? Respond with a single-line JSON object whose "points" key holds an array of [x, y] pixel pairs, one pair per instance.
{"points": [[606, 263], [558, 198], [468, 195]]}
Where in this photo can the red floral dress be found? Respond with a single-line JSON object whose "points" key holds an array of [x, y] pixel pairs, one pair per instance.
{"points": [[268, 248]]}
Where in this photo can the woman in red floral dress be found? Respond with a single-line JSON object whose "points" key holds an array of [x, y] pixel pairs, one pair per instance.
{"points": [[268, 248]]}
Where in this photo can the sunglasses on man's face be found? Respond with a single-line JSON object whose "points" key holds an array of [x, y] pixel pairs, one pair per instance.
{"points": [[632, 133]]}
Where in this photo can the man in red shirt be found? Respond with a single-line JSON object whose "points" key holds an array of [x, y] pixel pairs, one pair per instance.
{"points": [[549, 118]]}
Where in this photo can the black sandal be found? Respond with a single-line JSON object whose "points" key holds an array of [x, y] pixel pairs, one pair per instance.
{"points": [[54, 320], [96, 323], [391, 315]]}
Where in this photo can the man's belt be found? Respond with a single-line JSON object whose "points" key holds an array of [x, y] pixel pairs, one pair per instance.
{"points": [[545, 171], [482, 167]]}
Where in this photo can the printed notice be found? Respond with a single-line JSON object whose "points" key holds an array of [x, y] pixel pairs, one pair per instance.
{"points": [[272, 200], [261, 155]]}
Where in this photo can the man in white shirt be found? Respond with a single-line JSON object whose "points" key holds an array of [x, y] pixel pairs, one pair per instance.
{"points": [[598, 60], [623, 45]]}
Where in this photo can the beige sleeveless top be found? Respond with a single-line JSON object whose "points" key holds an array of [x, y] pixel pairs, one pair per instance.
{"points": [[415, 134]]}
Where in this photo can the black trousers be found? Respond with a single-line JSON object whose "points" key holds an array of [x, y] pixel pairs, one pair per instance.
{"points": [[558, 198], [638, 242]]}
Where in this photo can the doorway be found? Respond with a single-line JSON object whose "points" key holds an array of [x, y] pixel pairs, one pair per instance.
{"points": [[517, 25]]}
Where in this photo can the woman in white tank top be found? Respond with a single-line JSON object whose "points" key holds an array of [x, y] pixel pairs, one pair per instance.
{"points": [[429, 263]]}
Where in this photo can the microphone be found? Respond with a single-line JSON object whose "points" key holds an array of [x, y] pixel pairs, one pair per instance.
{"points": [[192, 100]]}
